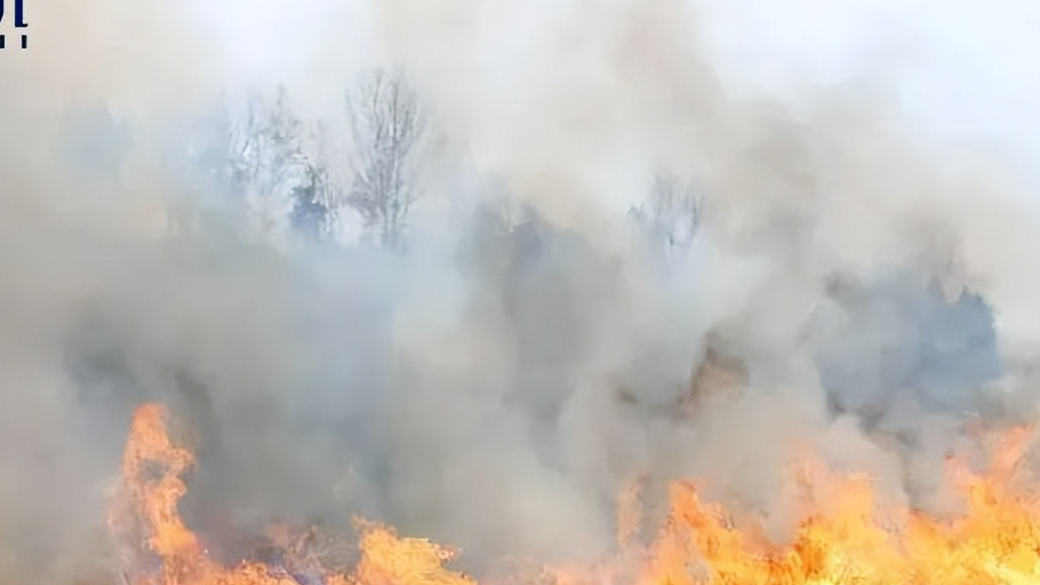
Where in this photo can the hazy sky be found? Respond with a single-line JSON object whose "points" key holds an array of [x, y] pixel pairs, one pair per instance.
{"points": [[965, 70]]}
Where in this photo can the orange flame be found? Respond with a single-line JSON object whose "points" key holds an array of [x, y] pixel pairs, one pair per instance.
{"points": [[152, 488], [844, 540]]}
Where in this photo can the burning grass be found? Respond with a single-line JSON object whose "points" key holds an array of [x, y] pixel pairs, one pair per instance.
{"points": [[846, 535]]}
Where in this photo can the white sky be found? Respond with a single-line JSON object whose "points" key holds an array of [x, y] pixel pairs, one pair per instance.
{"points": [[971, 66], [968, 69]]}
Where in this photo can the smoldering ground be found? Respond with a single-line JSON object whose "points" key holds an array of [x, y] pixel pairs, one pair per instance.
{"points": [[496, 387]]}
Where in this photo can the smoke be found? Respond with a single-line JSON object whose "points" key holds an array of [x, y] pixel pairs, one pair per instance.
{"points": [[493, 389]]}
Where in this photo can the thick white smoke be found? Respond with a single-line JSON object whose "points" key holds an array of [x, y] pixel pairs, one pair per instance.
{"points": [[496, 388]]}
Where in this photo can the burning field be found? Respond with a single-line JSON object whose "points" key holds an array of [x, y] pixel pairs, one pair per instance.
{"points": [[501, 292], [846, 534]]}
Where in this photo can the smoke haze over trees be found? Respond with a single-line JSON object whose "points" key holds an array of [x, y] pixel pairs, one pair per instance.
{"points": [[474, 278]]}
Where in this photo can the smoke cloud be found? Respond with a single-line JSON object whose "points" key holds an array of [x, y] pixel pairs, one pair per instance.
{"points": [[493, 388]]}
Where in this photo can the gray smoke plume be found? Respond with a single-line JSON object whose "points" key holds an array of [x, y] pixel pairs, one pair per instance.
{"points": [[498, 385]]}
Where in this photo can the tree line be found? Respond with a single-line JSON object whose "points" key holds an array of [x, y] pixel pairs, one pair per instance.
{"points": [[261, 159]]}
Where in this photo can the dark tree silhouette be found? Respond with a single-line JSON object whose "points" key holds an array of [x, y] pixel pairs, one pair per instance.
{"points": [[310, 216]]}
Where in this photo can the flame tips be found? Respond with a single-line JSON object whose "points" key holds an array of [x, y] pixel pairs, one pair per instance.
{"points": [[842, 540]]}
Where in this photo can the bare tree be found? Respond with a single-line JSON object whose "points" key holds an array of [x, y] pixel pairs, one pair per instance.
{"points": [[386, 124], [316, 200], [266, 155], [672, 213]]}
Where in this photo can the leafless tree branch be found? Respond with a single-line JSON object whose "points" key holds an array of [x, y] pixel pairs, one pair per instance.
{"points": [[672, 214], [386, 123], [266, 151]]}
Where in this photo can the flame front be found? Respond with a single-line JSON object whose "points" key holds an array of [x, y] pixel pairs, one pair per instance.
{"points": [[844, 539], [146, 506], [846, 536]]}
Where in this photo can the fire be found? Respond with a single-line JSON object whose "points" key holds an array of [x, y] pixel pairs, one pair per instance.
{"points": [[147, 504], [845, 540], [847, 536]]}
